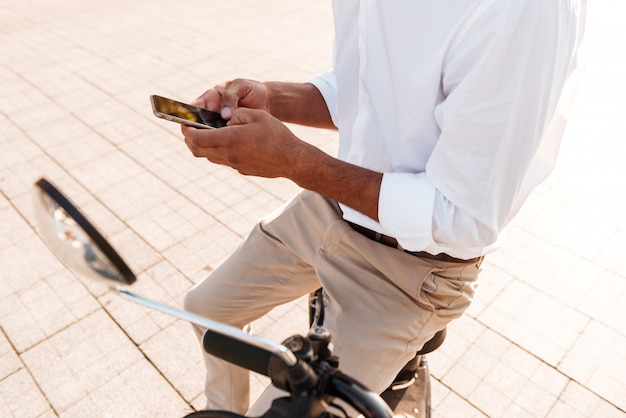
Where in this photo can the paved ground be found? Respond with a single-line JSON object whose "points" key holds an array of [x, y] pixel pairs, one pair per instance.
{"points": [[545, 337]]}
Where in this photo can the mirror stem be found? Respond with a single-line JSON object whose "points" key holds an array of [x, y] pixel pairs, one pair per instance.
{"points": [[279, 350]]}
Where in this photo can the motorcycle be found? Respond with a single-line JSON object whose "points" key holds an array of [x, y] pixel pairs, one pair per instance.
{"points": [[303, 366]]}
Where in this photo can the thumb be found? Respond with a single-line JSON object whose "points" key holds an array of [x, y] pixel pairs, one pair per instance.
{"points": [[243, 116], [231, 94]]}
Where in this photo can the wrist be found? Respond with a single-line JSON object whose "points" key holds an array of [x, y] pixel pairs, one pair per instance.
{"points": [[285, 101]]}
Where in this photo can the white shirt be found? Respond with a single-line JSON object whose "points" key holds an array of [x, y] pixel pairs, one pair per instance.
{"points": [[457, 103]]}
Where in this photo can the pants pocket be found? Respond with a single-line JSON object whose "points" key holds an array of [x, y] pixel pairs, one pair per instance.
{"points": [[448, 297]]}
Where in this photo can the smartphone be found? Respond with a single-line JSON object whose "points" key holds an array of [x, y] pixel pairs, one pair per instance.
{"points": [[185, 113]]}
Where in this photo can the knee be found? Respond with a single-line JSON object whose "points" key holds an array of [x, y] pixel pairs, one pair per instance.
{"points": [[205, 302], [195, 303]]}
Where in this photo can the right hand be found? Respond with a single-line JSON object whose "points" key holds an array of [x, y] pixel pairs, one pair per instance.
{"points": [[233, 94]]}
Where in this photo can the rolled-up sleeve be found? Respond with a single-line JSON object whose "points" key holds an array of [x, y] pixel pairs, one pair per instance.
{"points": [[419, 204], [425, 220], [326, 83]]}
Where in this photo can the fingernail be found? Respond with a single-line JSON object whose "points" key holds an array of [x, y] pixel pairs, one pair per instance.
{"points": [[227, 112]]}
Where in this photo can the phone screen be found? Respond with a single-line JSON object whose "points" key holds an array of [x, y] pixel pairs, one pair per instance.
{"points": [[184, 113]]}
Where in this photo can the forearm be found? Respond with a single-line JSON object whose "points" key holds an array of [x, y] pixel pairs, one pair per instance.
{"points": [[300, 103], [351, 185], [314, 169]]}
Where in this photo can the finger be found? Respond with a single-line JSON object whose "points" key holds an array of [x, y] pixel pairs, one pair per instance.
{"points": [[244, 116], [202, 141], [186, 130], [195, 139], [232, 93], [210, 100], [199, 151], [212, 150], [198, 144]]}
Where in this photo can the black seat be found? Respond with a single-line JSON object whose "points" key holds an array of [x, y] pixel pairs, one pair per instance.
{"points": [[434, 343], [407, 375]]}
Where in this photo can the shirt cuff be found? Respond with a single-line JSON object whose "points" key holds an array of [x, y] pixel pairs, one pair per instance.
{"points": [[326, 83], [408, 216]]}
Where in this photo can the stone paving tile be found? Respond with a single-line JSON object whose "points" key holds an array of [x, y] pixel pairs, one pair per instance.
{"points": [[577, 401], [174, 352], [21, 397], [544, 337]]}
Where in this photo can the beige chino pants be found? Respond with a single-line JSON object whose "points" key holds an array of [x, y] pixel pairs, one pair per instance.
{"points": [[382, 303]]}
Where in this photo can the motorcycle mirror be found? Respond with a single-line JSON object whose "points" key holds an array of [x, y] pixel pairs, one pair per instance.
{"points": [[74, 240]]}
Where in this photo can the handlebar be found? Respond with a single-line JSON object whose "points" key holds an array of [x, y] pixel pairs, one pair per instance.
{"points": [[313, 382], [338, 386], [309, 373], [366, 402]]}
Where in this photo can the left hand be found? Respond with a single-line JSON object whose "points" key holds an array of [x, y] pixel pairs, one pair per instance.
{"points": [[253, 143]]}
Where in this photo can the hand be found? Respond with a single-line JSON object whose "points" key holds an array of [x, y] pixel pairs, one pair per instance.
{"points": [[253, 143], [228, 97]]}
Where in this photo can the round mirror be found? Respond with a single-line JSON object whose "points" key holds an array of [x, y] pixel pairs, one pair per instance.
{"points": [[74, 240]]}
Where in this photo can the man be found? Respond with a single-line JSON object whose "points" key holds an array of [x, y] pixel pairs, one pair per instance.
{"points": [[448, 114]]}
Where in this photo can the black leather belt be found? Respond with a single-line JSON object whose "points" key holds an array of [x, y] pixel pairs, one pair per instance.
{"points": [[393, 243]]}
